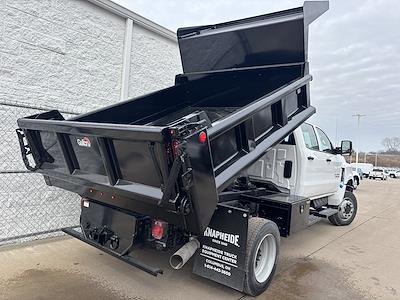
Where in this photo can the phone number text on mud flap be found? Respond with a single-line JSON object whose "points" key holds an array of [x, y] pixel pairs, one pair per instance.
{"points": [[209, 264], [218, 260]]}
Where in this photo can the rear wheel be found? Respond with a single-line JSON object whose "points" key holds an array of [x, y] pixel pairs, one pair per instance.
{"points": [[347, 210], [262, 251]]}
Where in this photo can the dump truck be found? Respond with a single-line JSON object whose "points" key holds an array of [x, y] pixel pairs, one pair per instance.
{"points": [[167, 170]]}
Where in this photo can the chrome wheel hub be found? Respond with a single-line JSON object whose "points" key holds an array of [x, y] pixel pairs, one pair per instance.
{"points": [[346, 209], [265, 256]]}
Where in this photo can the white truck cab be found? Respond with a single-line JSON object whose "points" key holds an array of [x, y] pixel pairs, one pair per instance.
{"points": [[306, 164]]}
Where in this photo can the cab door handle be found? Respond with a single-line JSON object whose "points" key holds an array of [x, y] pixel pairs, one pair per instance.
{"points": [[328, 160], [310, 158]]}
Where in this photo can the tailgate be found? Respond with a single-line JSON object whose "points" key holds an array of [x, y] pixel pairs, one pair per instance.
{"points": [[125, 166]]}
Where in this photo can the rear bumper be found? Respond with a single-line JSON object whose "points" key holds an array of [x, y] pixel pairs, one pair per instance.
{"points": [[126, 258]]}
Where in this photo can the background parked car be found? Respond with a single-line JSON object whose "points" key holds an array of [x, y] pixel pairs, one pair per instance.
{"points": [[394, 174], [378, 173]]}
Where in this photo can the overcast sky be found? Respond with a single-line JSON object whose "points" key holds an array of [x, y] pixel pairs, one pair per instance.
{"points": [[354, 54]]}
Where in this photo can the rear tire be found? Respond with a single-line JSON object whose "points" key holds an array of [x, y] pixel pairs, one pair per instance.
{"points": [[347, 210], [262, 250]]}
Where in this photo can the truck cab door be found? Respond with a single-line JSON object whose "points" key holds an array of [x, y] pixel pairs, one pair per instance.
{"points": [[312, 164], [332, 162]]}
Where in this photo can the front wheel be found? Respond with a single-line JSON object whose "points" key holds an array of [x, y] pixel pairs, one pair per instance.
{"points": [[347, 210], [262, 251]]}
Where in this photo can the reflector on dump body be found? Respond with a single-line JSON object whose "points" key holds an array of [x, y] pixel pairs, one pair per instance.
{"points": [[276, 38]]}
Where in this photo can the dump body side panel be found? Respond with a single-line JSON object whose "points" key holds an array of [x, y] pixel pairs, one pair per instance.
{"points": [[124, 166]]}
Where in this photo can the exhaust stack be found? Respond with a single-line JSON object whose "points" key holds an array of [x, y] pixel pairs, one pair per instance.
{"points": [[180, 257]]}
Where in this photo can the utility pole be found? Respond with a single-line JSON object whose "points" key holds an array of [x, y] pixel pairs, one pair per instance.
{"points": [[359, 116], [336, 136]]}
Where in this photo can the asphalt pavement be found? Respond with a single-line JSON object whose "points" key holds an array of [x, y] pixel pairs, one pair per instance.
{"points": [[360, 261]]}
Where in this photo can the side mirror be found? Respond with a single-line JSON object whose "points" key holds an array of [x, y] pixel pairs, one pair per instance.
{"points": [[346, 147]]}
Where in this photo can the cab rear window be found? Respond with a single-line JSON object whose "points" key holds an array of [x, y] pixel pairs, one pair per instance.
{"points": [[289, 140]]}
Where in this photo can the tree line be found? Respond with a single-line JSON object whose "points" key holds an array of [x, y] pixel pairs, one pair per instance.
{"points": [[392, 145]]}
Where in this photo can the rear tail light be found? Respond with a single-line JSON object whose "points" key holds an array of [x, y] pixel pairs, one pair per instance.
{"points": [[158, 229], [202, 137]]}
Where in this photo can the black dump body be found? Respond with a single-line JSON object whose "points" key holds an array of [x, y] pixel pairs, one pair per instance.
{"points": [[168, 154]]}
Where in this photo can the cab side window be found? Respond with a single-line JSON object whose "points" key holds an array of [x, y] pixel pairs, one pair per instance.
{"points": [[326, 145], [309, 136]]}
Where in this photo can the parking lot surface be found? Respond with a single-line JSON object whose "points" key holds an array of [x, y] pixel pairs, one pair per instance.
{"points": [[360, 261]]}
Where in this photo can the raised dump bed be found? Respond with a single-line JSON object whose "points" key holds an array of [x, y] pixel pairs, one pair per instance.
{"points": [[126, 151], [169, 154]]}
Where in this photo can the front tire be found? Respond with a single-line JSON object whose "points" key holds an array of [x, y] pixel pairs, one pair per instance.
{"points": [[347, 210], [262, 250]]}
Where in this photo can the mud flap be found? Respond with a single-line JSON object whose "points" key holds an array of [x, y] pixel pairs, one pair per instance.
{"points": [[221, 257]]}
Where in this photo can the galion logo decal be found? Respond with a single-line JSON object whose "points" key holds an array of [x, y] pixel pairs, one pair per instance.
{"points": [[84, 142]]}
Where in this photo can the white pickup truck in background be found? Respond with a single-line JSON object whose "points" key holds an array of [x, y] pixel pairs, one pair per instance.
{"points": [[378, 173], [306, 164], [366, 168], [394, 173]]}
